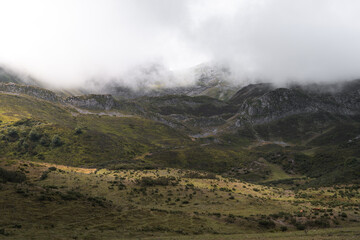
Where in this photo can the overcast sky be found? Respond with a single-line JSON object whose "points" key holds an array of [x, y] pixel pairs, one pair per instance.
{"points": [[66, 42]]}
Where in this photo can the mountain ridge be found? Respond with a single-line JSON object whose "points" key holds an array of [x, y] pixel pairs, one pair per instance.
{"points": [[228, 134]]}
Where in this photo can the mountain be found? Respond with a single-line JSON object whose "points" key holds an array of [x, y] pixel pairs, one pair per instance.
{"points": [[267, 161], [9, 76], [209, 79], [262, 102], [225, 134]]}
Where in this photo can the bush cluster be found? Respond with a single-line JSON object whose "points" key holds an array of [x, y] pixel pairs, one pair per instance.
{"points": [[160, 181], [11, 176]]}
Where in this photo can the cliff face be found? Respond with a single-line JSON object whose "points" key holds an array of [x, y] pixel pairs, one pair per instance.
{"points": [[263, 103]]}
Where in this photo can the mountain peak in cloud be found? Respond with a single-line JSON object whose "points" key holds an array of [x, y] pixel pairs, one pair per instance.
{"points": [[66, 43]]}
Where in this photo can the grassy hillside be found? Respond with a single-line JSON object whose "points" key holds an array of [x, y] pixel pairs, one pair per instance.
{"points": [[164, 203], [92, 167], [37, 129], [322, 146]]}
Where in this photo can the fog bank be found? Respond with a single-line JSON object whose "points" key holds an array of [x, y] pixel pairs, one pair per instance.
{"points": [[66, 43]]}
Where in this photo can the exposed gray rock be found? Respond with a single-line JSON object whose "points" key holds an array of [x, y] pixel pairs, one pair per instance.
{"points": [[31, 91], [92, 101], [264, 103]]}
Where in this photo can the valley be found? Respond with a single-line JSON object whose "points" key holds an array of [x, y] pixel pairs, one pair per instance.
{"points": [[266, 163], [179, 120]]}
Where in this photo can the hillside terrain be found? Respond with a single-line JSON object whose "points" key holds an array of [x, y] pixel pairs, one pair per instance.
{"points": [[206, 161], [44, 198]]}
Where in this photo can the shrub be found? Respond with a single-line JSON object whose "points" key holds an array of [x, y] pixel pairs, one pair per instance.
{"points": [[121, 186], [46, 196], [45, 141], [300, 226], [100, 201], [52, 168], [200, 176], [160, 181], [34, 135], [12, 132], [12, 176], [78, 131], [44, 175], [3, 232], [3, 137], [224, 189], [25, 121], [321, 223], [71, 195], [230, 219], [56, 141], [283, 228], [41, 156], [218, 215], [266, 223]]}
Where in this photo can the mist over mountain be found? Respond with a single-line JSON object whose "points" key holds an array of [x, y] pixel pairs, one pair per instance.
{"points": [[272, 41], [169, 119]]}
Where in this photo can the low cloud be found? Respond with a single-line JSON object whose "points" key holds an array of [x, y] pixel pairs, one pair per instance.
{"points": [[67, 42]]}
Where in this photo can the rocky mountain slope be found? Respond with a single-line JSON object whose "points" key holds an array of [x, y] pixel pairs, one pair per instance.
{"points": [[263, 103], [268, 159], [295, 128]]}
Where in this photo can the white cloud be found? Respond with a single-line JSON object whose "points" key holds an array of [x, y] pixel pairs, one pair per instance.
{"points": [[66, 42]]}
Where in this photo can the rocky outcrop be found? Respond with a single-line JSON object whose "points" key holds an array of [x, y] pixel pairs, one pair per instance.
{"points": [[251, 105], [92, 101], [106, 102], [264, 103], [31, 91]]}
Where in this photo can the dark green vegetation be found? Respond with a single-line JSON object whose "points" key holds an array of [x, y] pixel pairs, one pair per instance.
{"points": [[35, 129], [267, 160], [11, 176], [232, 138]]}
